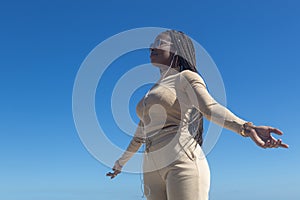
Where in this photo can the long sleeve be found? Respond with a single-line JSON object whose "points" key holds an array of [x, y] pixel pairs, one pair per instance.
{"points": [[196, 91], [133, 146]]}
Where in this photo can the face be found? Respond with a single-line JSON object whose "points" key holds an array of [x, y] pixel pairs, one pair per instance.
{"points": [[161, 55]]}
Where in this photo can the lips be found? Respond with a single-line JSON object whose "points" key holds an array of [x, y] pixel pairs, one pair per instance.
{"points": [[153, 54]]}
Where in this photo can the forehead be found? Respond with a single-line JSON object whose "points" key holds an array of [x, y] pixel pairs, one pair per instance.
{"points": [[163, 36]]}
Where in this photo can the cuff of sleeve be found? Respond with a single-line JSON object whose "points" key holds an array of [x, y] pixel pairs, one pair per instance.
{"points": [[236, 126], [246, 126], [118, 165]]}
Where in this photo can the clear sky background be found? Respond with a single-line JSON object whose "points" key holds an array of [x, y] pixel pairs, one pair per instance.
{"points": [[255, 45]]}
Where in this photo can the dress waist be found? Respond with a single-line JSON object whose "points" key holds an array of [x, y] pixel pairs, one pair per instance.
{"points": [[156, 136], [165, 136]]}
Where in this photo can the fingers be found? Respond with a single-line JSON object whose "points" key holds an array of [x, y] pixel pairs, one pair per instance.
{"points": [[273, 143], [283, 145], [275, 130], [117, 170], [269, 142], [114, 174], [110, 174], [263, 138], [278, 143]]}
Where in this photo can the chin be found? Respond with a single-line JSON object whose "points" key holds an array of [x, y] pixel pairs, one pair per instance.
{"points": [[155, 63]]}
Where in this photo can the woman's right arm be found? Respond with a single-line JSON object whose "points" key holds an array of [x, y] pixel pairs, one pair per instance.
{"points": [[132, 148]]}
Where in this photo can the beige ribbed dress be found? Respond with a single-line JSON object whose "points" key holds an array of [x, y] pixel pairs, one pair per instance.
{"points": [[174, 164]]}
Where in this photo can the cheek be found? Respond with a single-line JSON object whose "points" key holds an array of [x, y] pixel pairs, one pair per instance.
{"points": [[164, 58], [165, 55]]}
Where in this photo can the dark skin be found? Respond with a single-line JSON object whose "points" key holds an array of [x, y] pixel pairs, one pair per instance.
{"points": [[162, 57], [116, 170], [262, 136]]}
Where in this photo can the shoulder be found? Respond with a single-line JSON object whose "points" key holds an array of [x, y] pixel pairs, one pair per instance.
{"points": [[188, 76]]}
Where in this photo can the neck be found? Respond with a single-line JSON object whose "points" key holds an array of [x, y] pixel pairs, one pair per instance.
{"points": [[167, 71]]}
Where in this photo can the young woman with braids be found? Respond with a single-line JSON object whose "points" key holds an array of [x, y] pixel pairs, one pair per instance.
{"points": [[171, 125]]}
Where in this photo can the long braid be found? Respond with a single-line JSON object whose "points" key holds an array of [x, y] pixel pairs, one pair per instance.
{"points": [[187, 61], [185, 50]]}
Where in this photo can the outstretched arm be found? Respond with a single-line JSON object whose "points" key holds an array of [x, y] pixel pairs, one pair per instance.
{"points": [[132, 148], [199, 97]]}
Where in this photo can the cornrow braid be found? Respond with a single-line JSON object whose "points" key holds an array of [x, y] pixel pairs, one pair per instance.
{"points": [[185, 50], [186, 58]]}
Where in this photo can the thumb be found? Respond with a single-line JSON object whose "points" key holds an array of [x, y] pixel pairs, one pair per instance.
{"points": [[275, 130], [259, 142]]}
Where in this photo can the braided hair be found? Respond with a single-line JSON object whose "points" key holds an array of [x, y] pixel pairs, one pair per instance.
{"points": [[186, 60]]}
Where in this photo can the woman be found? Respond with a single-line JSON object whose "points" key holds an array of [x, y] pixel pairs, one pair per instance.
{"points": [[171, 125]]}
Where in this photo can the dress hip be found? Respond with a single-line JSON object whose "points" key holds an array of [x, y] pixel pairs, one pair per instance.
{"points": [[176, 171]]}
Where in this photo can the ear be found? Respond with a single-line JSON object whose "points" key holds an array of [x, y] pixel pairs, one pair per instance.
{"points": [[176, 60]]}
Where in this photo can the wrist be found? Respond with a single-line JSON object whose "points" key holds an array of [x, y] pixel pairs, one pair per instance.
{"points": [[246, 129]]}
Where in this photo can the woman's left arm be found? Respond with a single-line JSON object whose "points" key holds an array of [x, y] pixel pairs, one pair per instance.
{"points": [[195, 88]]}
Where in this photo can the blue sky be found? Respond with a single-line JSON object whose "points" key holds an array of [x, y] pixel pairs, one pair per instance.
{"points": [[255, 45]]}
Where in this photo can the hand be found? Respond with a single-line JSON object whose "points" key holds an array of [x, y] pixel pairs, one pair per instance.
{"points": [[116, 170], [261, 135]]}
